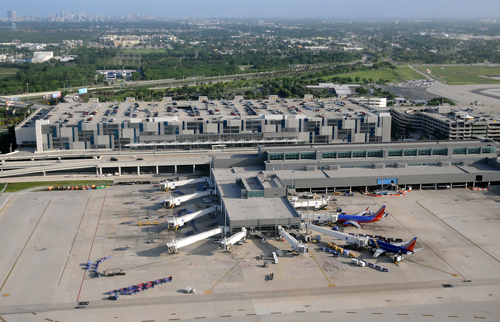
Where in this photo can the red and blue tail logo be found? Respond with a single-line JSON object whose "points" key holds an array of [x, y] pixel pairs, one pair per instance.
{"points": [[411, 244], [380, 213]]}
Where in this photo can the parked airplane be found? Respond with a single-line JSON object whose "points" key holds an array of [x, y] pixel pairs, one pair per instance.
{"points": [[404, 248], [362, 217]]}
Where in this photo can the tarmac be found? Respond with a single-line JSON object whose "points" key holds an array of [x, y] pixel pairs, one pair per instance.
{"points": [[48, 237]]}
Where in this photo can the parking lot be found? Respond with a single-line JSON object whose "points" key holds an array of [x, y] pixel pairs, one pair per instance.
{"points": [[56, 233]]}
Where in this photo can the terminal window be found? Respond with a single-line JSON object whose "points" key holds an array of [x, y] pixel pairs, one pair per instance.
{"points": [[410, 152], [488, 149], [329, 155], [275, 156], [308, 155], [375, 154], [460, 151], [424, 152], [474, 151], [443, 151], [359, 154], [395, 153], [344, 154]]}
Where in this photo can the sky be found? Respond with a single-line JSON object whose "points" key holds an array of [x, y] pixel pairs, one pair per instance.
{"points": [[384, 9]]}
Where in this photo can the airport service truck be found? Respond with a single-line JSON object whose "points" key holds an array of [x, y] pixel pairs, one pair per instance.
{"points": [[114, 271]]}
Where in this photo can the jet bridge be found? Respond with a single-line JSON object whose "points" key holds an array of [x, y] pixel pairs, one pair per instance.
{"points": [[180, 221], [296, 245], [166, 185], [258, 233], [311, 203], [176, 201], [174, 245], [349, 239], [228, 242]]}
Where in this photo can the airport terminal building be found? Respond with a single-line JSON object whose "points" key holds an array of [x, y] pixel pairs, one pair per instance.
{"points": [[256, 189]]}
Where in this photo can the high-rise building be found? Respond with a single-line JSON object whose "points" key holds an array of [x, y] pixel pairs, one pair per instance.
{"points": [[11, 14]]}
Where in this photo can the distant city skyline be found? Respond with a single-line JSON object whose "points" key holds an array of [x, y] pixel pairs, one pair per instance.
{"points": [[382, 9]]}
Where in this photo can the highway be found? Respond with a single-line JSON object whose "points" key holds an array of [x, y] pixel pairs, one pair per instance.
{"points": [[169, 82]]}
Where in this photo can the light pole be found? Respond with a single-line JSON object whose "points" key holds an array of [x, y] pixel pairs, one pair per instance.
{"points": [[282, 171], [28, 91], [275, 216], [225, 211], [307, 220]]}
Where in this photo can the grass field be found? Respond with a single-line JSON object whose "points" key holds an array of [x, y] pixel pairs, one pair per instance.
{"points": [[462, 75], [6, 72], [17, 186], [401, 74]]}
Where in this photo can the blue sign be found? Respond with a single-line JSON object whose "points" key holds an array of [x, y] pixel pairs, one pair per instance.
{"points": [[387, 181], [82, 91]]}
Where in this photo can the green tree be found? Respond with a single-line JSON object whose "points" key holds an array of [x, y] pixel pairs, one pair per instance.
{"points": [[361, 90], [135, 76]]}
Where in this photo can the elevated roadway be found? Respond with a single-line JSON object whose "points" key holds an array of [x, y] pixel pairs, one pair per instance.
{"points": [[101, 162]]}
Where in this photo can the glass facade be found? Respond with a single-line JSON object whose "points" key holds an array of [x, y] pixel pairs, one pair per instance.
{"points": [[344, 154], [359, 154], [424, 152], [256, 194], [291, 156], [488, 149], [375, 154], [329, 155], [474, 150], [395, 153], [442, 151], [308, 155], [275, 156]]}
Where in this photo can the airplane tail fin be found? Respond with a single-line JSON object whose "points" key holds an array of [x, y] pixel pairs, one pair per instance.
{"points": [[380, 213], [411, 244]]}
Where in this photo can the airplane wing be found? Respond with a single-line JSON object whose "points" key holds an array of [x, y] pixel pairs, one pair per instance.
{"points": [[378, 252], [363, 213], [354, 223]]}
